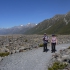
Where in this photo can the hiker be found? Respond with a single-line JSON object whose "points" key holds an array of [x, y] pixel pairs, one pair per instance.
{"points": [[45, 41], [53, 43]]}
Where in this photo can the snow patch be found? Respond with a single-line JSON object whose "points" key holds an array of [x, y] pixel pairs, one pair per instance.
{"points": [[21, 25], [66, 21]]}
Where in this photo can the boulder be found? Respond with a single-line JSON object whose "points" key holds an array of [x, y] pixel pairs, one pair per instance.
{"points": [[1, 58], [4, 49]]}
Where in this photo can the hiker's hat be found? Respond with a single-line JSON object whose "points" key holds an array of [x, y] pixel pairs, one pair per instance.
{"points": [[53, 34], [44, 33]]}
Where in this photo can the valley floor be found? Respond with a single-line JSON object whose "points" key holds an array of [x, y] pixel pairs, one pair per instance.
{"points": [[34, 59]]}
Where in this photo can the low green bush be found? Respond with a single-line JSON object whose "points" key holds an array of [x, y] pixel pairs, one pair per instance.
{"points": [[4, 54], [57, 66], [40, 45], [69, 47], [26, 40]]}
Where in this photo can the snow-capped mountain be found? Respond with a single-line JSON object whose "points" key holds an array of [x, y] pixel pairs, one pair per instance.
{"points": [[16, 29]]}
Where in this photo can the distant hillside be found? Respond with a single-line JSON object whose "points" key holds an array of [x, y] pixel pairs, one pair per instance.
{"points": [[16, 29], [59, 24]]}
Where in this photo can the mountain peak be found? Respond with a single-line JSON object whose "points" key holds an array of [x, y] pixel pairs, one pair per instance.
{"points": [[21, 25]]}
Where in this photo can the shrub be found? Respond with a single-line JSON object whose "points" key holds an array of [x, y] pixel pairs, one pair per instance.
{"points": [[4, 54], [57, 66], [26, 40], [69, 47], [40, 45]]}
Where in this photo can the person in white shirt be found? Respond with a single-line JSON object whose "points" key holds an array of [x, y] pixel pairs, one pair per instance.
{"points": [[53, 43]]}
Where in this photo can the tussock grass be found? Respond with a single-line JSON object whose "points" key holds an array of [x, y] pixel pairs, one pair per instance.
{"points": [[41, 45], [69, 47], [4, 54], [57, 66]]}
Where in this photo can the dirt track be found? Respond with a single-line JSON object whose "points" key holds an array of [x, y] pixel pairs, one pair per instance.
{"points": [[34, 59]]}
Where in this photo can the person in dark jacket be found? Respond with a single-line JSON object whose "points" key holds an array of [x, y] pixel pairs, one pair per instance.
{"points": [[45, 41]]}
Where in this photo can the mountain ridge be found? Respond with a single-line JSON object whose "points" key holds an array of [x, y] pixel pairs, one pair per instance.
{"points": [[16, 29], [59, 24]]}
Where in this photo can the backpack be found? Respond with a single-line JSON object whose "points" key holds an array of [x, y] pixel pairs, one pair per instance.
{"points": [[44, 39]]}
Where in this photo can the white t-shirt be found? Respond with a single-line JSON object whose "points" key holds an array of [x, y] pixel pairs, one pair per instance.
{"points": [[54, 40]]}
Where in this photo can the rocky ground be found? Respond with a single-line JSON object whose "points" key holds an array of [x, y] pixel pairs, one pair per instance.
{"points": [[21, 43], [34, 59], [16, 43], [60, 60]]}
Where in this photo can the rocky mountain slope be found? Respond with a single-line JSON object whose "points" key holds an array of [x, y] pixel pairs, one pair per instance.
{"points": [[59, 24]]}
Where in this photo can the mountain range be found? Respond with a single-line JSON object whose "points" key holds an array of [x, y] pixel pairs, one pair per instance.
{"points": [[16, 29], [59, 24]]}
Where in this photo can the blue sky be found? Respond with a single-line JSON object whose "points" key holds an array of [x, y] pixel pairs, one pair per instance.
{"points": [[21, 12]]}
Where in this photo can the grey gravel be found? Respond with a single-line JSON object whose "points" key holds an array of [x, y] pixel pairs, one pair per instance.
{"points": [[34, 59]]}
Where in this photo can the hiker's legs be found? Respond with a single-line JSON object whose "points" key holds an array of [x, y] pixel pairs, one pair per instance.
{"points": [[45, 47], [52, 47]]}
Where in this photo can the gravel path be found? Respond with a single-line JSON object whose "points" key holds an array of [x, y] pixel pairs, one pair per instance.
{"points": [[34, 59]]}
